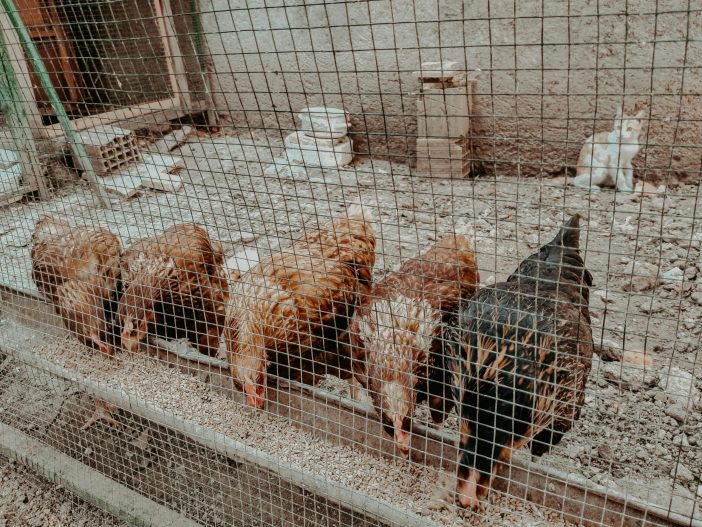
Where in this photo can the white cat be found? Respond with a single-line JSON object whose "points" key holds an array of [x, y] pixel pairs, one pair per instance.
{"points": [[605, 158]]}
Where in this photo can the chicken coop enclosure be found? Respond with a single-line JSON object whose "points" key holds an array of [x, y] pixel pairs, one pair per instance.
{"points": [[353, 263]]}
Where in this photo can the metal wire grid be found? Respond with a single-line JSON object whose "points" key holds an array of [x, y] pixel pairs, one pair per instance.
{"points": [[552, 74]]}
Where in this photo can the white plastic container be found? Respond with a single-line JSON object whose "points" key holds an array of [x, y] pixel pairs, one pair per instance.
{"points": [[314, 151], [323, 122]]}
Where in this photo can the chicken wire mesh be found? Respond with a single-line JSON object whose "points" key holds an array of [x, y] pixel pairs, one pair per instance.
{"points": [[314, 244]]}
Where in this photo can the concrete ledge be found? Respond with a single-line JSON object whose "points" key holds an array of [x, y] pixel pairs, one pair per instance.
{"points": [[87, 483]]}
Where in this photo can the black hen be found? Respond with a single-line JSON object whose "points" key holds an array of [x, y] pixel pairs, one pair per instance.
{"points": [[520, 358]]}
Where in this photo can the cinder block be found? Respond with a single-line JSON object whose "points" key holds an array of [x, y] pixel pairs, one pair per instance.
{"points": [[110, 148]]}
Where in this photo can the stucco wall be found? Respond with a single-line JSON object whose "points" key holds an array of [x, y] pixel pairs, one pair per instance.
{"points": [[551, 71]]}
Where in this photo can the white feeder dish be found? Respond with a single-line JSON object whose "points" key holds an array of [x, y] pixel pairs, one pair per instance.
{"points": [[314, 151], [320, 121]]}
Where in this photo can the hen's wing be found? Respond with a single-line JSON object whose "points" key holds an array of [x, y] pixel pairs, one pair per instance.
{"points": [[300, 299], [61, 253], [442, 275]]}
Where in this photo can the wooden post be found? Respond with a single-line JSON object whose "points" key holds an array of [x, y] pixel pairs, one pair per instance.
{"points": [[174, 57], [14, 100]]}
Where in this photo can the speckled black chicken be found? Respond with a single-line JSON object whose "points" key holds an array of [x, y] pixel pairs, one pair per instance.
{"points": [[174, 287], [521, 355], [77, 270]]}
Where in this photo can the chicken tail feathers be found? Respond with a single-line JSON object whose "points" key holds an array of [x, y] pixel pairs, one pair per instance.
{"points": [[569, 235]]}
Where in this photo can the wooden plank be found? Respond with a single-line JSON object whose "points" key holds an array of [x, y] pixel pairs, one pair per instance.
{"points": [[8, 199], [55, 130], [175, 65], [24, 81], [18, 110], [159, 118], [444, 71], [443, 113], [444, 158], [174, 56]]}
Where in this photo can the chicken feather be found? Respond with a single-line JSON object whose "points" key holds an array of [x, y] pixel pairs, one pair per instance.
{"points": [[289, 313], [520, 357], [77, 270], [397, 335], [175, 287]]}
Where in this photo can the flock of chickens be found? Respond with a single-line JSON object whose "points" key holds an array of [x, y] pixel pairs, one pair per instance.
{"points": [[512, 358]]}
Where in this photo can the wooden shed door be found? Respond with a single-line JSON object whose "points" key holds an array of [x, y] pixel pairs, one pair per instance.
{"points": [[47, 31]]}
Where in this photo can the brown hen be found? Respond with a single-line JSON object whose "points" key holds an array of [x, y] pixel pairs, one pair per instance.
{"points": [[520, 359], [291, 311], [397, 335], [174, 287], [77, 270]]}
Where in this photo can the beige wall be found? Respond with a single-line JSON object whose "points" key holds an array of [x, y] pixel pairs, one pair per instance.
{"points": [[552, 71]]}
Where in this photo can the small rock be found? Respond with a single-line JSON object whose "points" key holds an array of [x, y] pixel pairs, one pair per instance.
{"points": [[651, 307], [679, 385], [247, 237], [628, 376], [699, 491], [691, 273], [681, 440], [608, 350], [640, 276], [532, 240], [605, 296], [88, 451], [697, 298], [673, 275], [605, 452], [573, 451], [682, 474], [660, 396], [677, 411]]}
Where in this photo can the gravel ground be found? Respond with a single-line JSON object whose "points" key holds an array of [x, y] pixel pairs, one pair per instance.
{"points": [[27, 500], [641, 431]]}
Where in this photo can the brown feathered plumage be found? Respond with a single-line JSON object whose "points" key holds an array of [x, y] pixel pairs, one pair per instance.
{"points": [[77, 270], [174, 287], [396, 335], [291, 311], [520, 359]]}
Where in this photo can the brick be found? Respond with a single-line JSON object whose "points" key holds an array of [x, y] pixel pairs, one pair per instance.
{"points": [[110, 148]]}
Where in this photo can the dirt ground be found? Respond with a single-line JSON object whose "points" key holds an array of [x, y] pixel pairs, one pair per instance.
{"points": [[641, 429]]}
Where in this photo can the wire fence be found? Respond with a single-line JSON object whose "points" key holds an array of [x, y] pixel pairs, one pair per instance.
{"points": [[353, 263]]}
